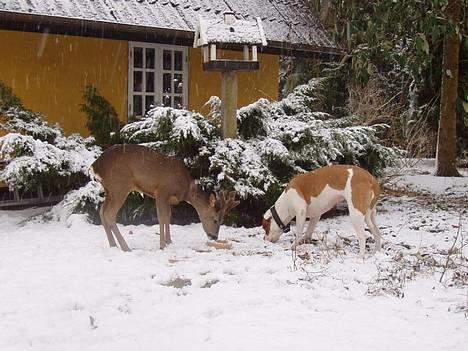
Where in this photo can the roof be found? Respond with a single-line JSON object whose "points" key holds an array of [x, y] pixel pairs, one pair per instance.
{"points": [[233, 31], [287, 23]]}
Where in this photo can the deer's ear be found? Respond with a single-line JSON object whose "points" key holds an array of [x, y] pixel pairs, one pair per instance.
{"points": [[212, 200], [193, 186]]}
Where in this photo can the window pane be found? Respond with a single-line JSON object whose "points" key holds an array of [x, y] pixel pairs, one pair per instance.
{"points": [[149, 58], [178, 60], [138, 57], [167, 60], [137, 81], [137, 105], [178, 83], [149, 102], [167, 83], [150, 81], [167, 100], [178, 102]]}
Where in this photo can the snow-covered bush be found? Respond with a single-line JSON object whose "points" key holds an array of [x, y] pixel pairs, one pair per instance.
{"points": [[178, 132], [85, 200], [276, 141], [19, 120], [39, 154]]}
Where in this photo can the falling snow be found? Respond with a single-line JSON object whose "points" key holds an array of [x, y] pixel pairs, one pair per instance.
{"points": [[63, 288]]}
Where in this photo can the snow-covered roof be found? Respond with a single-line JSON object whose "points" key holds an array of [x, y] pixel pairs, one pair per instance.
{"points": [[237, 31], [287, 23]]}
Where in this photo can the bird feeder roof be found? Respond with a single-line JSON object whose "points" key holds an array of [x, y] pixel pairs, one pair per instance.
{"points": [[234, 31]]}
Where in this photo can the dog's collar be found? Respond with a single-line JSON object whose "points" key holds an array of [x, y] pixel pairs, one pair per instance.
{"points": [[285, 228]]}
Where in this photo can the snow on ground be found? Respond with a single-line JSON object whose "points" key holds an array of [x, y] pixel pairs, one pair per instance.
{"points": [[63, 288], [418, 176]]}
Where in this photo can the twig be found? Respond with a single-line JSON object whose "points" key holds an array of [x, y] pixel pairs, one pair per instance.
{"points": [[449, 252], [294, 258], [390, 100]]}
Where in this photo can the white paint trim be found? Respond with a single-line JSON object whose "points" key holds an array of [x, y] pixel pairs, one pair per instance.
{"points": [[246, 52], [254, 53], [262, 32], [203, 40], [212, 52]]}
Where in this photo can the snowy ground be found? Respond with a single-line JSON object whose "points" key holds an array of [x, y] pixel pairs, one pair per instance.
{"points": [[62, 288]]}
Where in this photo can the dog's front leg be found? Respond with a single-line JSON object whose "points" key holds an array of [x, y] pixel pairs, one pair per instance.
{"points": [[300, 221]]}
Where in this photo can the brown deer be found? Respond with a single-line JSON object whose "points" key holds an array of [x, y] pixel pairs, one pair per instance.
{"points": [[122, 169]]}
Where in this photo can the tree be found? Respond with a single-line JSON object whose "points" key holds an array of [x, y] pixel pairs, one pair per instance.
{"points": [[415, 45], [446, 156]]}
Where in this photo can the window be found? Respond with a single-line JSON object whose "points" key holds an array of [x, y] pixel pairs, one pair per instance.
{"points": [[157, 75]]}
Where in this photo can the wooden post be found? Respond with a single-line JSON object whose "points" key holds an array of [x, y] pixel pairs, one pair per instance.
{"points": [[206, 55], [229, 104]]}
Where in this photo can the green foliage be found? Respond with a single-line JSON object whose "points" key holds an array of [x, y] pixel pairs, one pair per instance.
{"points": [[374, 31], [102, 119], [8, 98], [38, 153], [253, 123], [401, 40], [277, 140], [18, 120], [178, 132]]}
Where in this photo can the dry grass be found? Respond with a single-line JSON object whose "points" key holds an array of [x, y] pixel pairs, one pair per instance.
{"points": [[374, 106]]}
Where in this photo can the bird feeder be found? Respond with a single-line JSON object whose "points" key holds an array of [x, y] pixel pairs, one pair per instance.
{"points": [[229, 32]]}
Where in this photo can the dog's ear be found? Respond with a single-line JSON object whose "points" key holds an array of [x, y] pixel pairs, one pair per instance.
{"points": [[266, 224]]}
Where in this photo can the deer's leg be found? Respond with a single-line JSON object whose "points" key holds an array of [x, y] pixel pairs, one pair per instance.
{"points": [[171, 201], [106, 226], [164, 211], [120, 239], [168, 229], [109, 213]]}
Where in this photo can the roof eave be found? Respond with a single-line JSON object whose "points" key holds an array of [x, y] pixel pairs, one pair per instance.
{"points": [[90, 28], [304, 50], [110, 30]]}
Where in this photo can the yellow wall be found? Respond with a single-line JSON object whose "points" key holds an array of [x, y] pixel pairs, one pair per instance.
{"points": [[250, 85], [49, 73]]}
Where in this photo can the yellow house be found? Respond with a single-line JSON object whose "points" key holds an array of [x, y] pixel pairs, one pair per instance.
{"points": [[139, 53]]}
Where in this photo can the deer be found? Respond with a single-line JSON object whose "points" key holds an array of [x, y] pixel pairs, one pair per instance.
{"points": [[124, 168], [314, 193]]}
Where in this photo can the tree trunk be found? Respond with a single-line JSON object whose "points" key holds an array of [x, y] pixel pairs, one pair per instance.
{"points": [[446, 155]]}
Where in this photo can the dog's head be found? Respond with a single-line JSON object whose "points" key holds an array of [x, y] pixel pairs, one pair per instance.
{"points": [[272, 230]]}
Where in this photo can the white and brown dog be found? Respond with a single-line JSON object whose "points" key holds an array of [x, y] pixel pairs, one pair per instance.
{"points": [[314, 193]]}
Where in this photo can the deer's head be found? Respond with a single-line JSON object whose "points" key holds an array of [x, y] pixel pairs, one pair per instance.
{"points": [[212, 216]]}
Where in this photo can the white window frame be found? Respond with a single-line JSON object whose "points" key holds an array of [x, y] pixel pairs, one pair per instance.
{"points": [[158, 70]]}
